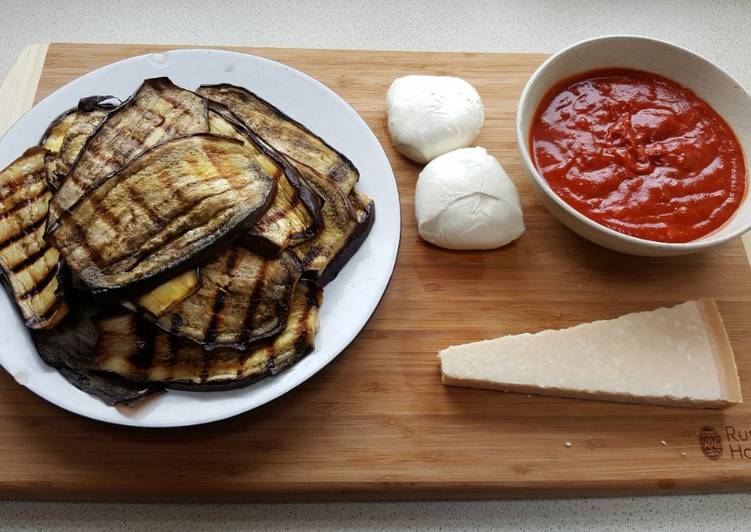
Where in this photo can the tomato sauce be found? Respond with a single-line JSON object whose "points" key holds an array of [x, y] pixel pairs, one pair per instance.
{"points": [[639, 154]]}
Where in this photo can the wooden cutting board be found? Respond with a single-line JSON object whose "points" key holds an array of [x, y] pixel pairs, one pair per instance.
{"points": [[377, 423]]}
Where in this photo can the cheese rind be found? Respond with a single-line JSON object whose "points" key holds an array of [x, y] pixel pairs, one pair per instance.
{"points": [[677, 356]]}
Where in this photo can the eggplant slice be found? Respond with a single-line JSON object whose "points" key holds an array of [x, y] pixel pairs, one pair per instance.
{"points": [[69, 348], [52, 139], [344, 228], [160, 300], [365, 218], [132, 348], [243, 299], [170, 208], [284, 134], [31, 268], [67, 134], [295, 214], [157, 112]]}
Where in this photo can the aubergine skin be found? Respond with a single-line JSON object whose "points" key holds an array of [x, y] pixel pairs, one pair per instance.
{"points": [[295, 214], [133, 348], [344, 229], [69, 348], [67, 134], [243, 298], [327, 172], [365, 213], [157, 112], [168, 210], [284, 134], [30, 267]]}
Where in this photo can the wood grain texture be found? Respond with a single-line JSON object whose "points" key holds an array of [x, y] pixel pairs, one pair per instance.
{"points": [[377, 423], [19, 87]]}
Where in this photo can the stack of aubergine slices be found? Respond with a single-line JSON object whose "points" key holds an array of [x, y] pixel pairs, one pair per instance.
{"points": [[178, 239]]}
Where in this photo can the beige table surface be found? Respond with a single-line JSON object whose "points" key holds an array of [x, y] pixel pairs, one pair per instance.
{"points": [[719, 30]]}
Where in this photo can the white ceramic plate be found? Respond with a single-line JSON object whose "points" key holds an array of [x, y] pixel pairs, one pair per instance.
{"points": [[349, 300]]}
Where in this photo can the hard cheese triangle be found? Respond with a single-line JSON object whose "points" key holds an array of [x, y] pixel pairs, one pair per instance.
{"points": [[678, 356]]}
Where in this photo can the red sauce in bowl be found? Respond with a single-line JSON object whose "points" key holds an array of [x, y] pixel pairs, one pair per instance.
{"points": [[638, 153]]}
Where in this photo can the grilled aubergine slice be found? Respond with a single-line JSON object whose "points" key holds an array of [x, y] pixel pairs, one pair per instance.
{"points": [[52, 139], [157, 112], [69, 348], [295, 214], [169, 208], [54, 136], [31, 268], [365, 218], [346, 223], [131, 347], [163, 298], [284, 134], [243, 298], [67, 134]]}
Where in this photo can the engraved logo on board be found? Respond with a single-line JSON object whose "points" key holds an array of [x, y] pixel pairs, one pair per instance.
{"points": [[710, 443]]}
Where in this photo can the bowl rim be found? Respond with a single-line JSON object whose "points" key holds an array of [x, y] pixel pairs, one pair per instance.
{"points": [[703, 242]]}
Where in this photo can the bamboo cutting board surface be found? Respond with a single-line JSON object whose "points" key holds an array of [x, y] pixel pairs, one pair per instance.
{"points": [[377, 423]]}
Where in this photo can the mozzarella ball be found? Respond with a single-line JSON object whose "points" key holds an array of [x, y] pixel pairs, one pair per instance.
{"points": [[465, 200], [431, 115]]}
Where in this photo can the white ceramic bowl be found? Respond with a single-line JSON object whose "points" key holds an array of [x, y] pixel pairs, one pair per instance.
{"points": [[707, 80]]}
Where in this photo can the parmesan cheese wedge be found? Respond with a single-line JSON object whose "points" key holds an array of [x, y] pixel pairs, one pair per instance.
{"points": [[678, 356]]}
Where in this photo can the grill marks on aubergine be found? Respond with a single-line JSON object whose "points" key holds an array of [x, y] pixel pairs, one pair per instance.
{"points": [[243, 298], [294, 216], [69, 347], [347, 215], [284, 134], [31, 268], [134, 349], [157, 112], [66, 135], [112, 240]]}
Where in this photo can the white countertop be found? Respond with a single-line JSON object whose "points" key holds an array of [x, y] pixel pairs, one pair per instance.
{"points": [[719, 30]]}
